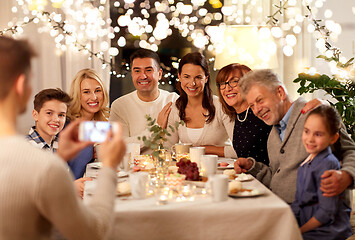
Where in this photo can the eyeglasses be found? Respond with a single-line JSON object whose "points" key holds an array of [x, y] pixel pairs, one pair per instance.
{"points": [[231, 83]]}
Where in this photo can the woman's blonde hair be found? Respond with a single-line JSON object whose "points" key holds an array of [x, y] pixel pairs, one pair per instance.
{"points": [[74, 110]]}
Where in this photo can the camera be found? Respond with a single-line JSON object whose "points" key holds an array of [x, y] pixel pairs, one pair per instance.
{"points": [[95, 131]]}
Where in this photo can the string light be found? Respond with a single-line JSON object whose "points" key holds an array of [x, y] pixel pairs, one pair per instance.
{"points": [[154, 23]]}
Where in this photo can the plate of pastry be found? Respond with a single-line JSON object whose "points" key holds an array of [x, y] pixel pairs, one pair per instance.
{"points": [[225, 165], [243, 177], [123, 189], [122, 174], [95, 165], [200, 183], [243, 193]]}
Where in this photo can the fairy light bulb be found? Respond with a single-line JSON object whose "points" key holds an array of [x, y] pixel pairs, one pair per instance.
{"points": [[276, 32], [328, 54], [291, 40], [310, 28], [312, 71], [297, 29], [328, 13], [104, 46], [121, 41], [287, 50]]}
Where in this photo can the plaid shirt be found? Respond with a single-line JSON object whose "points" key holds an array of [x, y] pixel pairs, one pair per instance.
{"points": [[35, 139]]}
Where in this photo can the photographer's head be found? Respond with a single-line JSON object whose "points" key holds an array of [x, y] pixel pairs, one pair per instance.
{"points": [[15, 71], [266, 95]]}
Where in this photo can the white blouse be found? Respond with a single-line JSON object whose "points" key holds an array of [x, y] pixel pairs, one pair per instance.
{"points": [[194, 134], [215, 133]]}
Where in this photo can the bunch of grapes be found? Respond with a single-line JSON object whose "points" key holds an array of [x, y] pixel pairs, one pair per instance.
{"points": [[189, 169]]}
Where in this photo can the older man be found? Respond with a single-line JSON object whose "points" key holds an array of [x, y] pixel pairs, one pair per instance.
{"points": [[130, 109], [268, 98]]}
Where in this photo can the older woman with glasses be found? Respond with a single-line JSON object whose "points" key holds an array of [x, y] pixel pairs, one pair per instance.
{"points": [[250, 134]]}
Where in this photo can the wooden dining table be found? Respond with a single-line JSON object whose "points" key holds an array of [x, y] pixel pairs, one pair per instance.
{"points": [[264, 217]]}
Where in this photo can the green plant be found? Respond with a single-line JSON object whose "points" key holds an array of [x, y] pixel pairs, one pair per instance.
{"points": [[342, 90], [158, 135]]}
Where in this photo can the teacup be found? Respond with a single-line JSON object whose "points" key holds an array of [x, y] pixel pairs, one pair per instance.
{"points": [[139, 182], [219, 187], [196, 153], [181, 148], [133, 150], [209, 164]]}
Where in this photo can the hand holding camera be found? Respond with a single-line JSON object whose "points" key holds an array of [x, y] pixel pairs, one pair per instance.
{"points": [[79, 134]]}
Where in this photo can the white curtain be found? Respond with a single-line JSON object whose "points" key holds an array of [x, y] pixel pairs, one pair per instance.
{"points": [[50, 70]]}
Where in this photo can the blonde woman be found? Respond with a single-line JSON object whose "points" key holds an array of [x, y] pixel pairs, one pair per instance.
{"points": [[89, 102], [89, 97]]}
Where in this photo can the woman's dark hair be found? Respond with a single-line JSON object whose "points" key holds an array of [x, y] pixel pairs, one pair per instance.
{"points": [[331, 118], [222, 76], [197, 59]]}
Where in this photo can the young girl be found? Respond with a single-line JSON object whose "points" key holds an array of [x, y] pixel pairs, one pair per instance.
{"points": [[320, 217]]}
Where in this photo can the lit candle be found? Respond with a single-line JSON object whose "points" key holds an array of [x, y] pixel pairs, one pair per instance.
{"points": [[186, 191], [163, 199]]}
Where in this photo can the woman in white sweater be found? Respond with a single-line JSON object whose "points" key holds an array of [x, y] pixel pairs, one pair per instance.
{"points": [[199, 109]]}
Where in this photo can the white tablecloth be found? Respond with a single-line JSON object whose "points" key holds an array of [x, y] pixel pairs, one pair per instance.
{"points": [[264, 217]]}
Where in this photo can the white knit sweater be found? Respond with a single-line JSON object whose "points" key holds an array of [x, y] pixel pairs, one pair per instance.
{"points": [[130, 112], [37, 192], [215, 133]]}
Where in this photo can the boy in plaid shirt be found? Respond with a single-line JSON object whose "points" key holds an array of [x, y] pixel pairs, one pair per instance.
{"points": [[49, 114]]}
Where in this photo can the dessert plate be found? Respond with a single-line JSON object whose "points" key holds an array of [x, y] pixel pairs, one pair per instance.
{"points": [[244, 193], [199, 184], [123, 189], [95, 165], [229, 166], [122, 194], [243, 177], [122, 174]]}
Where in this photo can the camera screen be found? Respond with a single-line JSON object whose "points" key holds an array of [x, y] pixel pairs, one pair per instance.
{"points": [[96, 131]]}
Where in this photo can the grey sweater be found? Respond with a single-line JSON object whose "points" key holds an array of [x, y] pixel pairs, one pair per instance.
{"points": [[286, 156], [37, 192]]}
